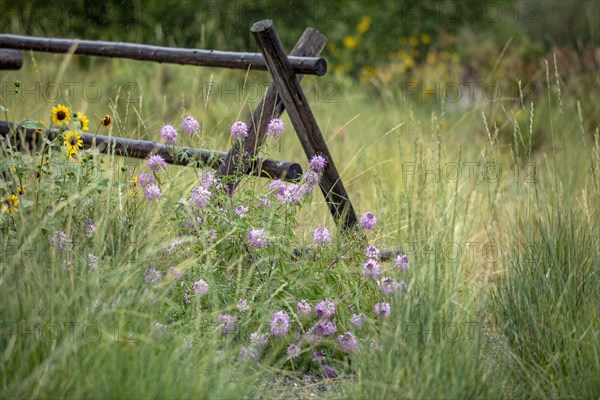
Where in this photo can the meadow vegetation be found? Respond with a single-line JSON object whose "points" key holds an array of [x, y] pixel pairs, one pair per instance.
{"points": [[133, 278]]}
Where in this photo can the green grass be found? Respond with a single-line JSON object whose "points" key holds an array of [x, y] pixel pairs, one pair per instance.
{"points": [[519, 323]]}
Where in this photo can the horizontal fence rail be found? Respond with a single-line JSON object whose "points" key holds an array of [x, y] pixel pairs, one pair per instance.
{"points": [[143, 148], [10, 59], [206, 58]]}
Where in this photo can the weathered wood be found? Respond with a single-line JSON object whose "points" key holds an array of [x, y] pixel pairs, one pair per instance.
{"points": [[10, 59], [206, 58], [303, 120], [144, 148], [310, 44]]}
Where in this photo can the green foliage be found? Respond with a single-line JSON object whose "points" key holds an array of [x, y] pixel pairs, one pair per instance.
{"points": [[224, 25], [523, 324], [547, 305]]}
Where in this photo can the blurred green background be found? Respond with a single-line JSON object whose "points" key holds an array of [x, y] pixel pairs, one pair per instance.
{"points": [[363, 34]]}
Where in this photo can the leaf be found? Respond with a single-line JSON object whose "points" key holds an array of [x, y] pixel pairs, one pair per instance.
{"points": [[2, 109], [103, 183], [25, 203], [32, 124]]}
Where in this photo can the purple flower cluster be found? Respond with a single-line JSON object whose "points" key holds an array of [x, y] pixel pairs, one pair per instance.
{"points": [[371, 269], [226, 323], [169, 134], [239, 130], [382, 310], [303, 307], [311, 178], [256, 238], [372, 252], [173, 244], [241, 211], [388, 286], [152, 192], [249, 353], [257, 343], [293, 351], [328, 371], [368, 220], [90, 228], [145, 179], [200, 196], [324, 328], [156, 163], [385, 285], [61, 241], [200, 287], [259, 340], [289, 194], [152, 276], [209, 180], [318, 163], [321, 235], [264, 202], [325, 309], [242, 305], [190, 125], [280, 323], [358, 320], [275, 128], [402, 263], [319, 356], [348, 343]]}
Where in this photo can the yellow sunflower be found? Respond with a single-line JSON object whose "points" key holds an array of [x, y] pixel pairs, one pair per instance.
{"points": [[61, 115], [73, 142], [10, 204], [83, 120], [106, 121]]}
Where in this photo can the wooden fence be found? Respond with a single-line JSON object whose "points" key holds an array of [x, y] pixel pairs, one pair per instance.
{"points": [[285, 93]]}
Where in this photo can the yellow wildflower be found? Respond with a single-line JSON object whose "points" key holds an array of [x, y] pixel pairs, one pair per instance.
{"points": [[364, 24], [106, 121], [350, 42], [413, 41], [61, 114], [409, 62], [425, 38], [10, 204], [83, 120], [73, 142]]}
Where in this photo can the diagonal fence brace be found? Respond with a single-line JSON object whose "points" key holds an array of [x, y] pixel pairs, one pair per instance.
{"points": [[304, 121], [237, 162]]}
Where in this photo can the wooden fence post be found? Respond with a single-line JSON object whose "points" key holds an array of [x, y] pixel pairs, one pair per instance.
{"points": [[304, 121]]}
